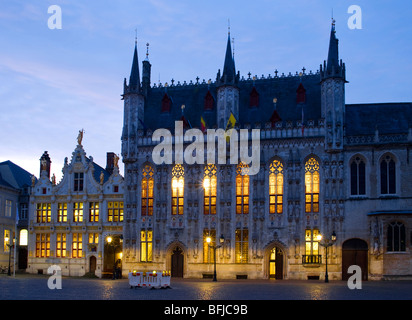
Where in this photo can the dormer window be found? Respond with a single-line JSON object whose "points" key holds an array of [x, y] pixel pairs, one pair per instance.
{"points": [[78, 181], [166, 103], [254, 98], [300, 94], [209, 101]]}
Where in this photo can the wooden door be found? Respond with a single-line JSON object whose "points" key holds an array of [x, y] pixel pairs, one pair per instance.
{"points": [[92, 261], [177, 263], [354, 252]]}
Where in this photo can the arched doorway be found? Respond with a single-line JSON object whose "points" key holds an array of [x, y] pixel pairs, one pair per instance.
{"points": [[354, 252], [276, 264], [177, 260], [112, 258]]}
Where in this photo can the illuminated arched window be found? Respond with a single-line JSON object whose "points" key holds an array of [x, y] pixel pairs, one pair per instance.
{"points": [[178, 183], [312, 185], [23, 238], [209, 185], [276, 187], [242, 189], [147, 190]]}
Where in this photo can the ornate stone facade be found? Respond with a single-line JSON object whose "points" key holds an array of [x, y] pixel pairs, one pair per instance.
{"points": [[326, 168], [71, 220]]}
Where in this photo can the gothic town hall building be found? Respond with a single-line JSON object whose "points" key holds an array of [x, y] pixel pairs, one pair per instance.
{"points": [[333, 185]]}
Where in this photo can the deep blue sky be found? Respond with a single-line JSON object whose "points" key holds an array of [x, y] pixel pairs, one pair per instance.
{"points": [[56, 82]]}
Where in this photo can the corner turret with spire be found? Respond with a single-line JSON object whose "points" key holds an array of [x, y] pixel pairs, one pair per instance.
{"points": [[134, 101], [333, 79], [227, 91]]}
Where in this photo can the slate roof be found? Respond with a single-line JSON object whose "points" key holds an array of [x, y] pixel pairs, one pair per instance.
{"points": [[11, 175], [97, 170], [388, 118], [193, 95]]}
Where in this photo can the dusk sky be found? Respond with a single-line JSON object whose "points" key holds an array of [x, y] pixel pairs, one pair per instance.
{"points": [[54, 82]]}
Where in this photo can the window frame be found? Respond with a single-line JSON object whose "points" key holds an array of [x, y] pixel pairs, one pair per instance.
{"points": [[78, 181], [210, 189], [178, 187], [242, 189], [147, 192], [312, 171], [276, 187], [387, 175], [357, 176], [396, 237], [146, 245], [242, 245]]}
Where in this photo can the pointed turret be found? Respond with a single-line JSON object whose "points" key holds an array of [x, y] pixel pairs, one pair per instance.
{"points": [[227, 91], [133, 111], [333, 67], [134, 80], [229, 72], [333, 80]]}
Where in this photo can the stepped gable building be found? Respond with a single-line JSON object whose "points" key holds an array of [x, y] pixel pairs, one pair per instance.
{"points": [[330, 173], [71, 220]]}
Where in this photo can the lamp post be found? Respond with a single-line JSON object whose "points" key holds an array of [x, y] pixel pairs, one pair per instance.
{"points": [[214, 247], [6, 239], [327, 242]]}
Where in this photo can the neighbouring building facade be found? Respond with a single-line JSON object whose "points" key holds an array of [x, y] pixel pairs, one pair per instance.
{"points": [[15, 183], [326, 168], [72, 220]]}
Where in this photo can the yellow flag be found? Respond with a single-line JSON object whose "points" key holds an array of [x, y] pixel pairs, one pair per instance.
{"points": [[229, 126]]}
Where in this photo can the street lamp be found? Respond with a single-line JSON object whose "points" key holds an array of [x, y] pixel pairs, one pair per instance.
{"points": [[214, 247], [327, 242], [6, 239]]}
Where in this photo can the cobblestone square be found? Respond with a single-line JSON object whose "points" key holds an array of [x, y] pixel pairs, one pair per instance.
{"points": [[203, 298], [34, 287]]}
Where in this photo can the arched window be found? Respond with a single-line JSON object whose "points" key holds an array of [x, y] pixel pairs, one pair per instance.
{"points": [[166, 103], [23, 238], [396, 236], [209, 101], [276, 187], [357, 177], [388, 175], [242, 189], [209, 185], [312, 185], [146, 245], [147, 190], [178, 183]]}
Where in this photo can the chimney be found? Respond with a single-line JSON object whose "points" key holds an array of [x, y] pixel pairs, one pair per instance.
{"points": [[45, 164], [110, 162]]}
